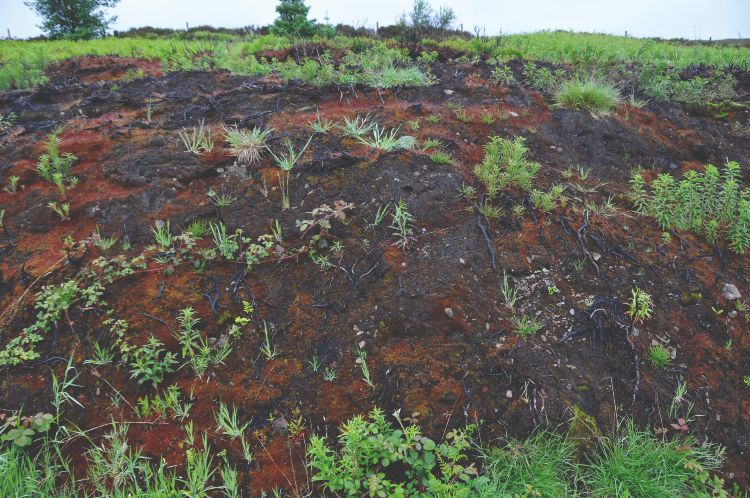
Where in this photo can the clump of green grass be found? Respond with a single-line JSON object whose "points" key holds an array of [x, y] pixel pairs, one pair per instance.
{"points": [[594, 96], [543, 462], [637, 464], [247, 145], [505, 164]]}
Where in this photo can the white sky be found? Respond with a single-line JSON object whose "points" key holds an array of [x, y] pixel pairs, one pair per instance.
{"points": [[664, 18]]}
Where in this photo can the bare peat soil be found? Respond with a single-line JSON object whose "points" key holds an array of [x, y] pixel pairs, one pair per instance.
{"points": [[440, 342]]}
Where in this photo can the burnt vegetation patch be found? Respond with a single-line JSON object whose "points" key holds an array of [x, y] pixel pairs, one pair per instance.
{"points": [[480, 270]]}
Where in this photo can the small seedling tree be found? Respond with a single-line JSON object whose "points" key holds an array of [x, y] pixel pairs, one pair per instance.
{"points": [[292, 19]]}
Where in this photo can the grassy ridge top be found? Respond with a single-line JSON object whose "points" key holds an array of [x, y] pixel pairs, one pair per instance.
{"points": [[549, 46]]}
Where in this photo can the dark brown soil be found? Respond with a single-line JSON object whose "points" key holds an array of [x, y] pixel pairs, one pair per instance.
{"points": [[440, 341]]}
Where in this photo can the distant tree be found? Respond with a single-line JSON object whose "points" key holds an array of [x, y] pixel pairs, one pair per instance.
{"points": [[423, 20], [292, 19], [74, 19]]}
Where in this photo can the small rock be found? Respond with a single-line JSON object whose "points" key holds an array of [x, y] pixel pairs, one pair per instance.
{"points": [[596, 256], [280, 425], [732, 314], [730, 292], [449, 312], [361, 344], [461, 260], [508, 394], [448, 92], [572, 312]]}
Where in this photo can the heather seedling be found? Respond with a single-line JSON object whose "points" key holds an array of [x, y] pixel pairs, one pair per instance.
{"points": [[54, 167], [659, 356], [12, 186], [61, 210], [711, 203], [505, 164]]}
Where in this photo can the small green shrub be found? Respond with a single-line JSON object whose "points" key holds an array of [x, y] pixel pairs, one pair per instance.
{"points": [[505, 164], [376, 459], [542, 78], [711, 203], [593, 96]]}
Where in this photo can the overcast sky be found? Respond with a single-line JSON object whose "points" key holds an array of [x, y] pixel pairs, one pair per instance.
{"points": [[664, 18]]}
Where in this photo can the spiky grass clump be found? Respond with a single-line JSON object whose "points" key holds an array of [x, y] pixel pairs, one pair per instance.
{"points": [[638, 464], [594, 96], [543, 462], [247, 145]]}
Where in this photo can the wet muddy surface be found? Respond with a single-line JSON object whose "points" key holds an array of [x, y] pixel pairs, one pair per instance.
{"points": [[440, 341]]}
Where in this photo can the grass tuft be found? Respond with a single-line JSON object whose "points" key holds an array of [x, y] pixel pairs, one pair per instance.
{"points": [[594, 96]]}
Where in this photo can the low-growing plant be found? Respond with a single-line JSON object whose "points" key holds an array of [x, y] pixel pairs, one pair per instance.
{"points": [[151, 363], [387, 140], [371, 449], [526, 326], [321, 125], [542, 78], [197, 139], [503, 76], [12, 186], [543, 462], [403, 224], [711, 203], [639, 305], [247, 145], [594, 96], [440, 157], [635, 463], [286, 161], [505, 164], [62, 210], [55, 167], [659, 356], [228, 422], [357, 127]]}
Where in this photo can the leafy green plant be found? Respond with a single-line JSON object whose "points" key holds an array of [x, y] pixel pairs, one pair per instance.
{"points": [[639, 305], [594, 96], [321, 125], [659, 356], [370, 448], [711, 203], [542, 78], [503, 76], [227, 245], [151, 363], [55, 167], [268, 349]]}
